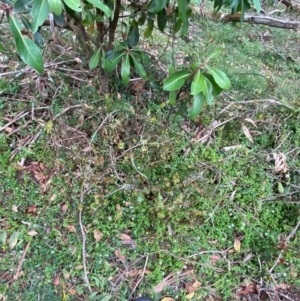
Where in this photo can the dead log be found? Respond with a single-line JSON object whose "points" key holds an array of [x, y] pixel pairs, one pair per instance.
{"points": [[261, 19]]}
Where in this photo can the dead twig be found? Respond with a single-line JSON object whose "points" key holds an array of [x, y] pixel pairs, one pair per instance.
{"points": [[19, 116], [17, 272], [292, 233], [140, 280]]}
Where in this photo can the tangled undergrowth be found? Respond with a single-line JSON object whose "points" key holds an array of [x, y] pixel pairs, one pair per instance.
{"points": [[120, 195]]}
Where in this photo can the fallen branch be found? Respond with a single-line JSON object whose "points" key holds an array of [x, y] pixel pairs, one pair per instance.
{"points": [[261, 19]]}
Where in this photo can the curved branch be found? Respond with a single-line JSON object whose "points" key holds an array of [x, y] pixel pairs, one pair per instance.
{"points": [[261, 19]]}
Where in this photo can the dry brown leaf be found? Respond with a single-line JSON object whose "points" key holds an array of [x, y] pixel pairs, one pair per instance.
{"points": [[9, 129], [125, 237], [32, 233], [14, 208], [167, 299], [214, 258], [251, 121], [247, 133], [119, 255], [189, 288], [56, 281], [53, 197], [118, 207], [197, 284], [71, 228], [64, 208], [78, 267], [97, 235], [32, 209], [281, 165], [237, 245], [190, 296]]}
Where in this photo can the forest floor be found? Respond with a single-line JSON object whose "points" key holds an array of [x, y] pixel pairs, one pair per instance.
{"points": [[117, 196]]}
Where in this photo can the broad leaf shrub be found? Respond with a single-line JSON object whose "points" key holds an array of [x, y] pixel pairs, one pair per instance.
{"points": [[101, 19]]}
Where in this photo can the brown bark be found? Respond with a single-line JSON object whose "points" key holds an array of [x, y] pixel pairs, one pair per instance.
{"points": [[113, 25], [261, 19]]}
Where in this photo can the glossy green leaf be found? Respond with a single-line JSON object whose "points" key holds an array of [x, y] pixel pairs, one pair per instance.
{"points": [[207, 91], [138, 67], [103, 7], [177, 26], [22, 6], [56, 6], [125, 69], [216, 89], [3, 236], [257, 5], [176, 80], [197, 106], [27, 49], [198, 83], [184, 28], [60, 20], [172, 98], [112, 61], [161, 19], [156, 6], [133, 35], [220, 77], [94, 61], [73, 4], [40, 11], [182, 7], [25, 22]]}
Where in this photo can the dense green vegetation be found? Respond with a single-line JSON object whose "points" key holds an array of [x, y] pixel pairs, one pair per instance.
{"points": [[118, 195]]}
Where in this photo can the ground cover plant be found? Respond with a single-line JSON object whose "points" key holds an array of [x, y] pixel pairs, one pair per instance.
{"points": [[115, 196]]}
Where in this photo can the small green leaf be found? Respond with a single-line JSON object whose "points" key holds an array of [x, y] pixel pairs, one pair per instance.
{"points": [[49, 126], [56, 6], [27, 49], [176, 80], [13, 239], [161, 19], [40, 11], [138, 67], [73, 4], [207, 91], [3, 236], [215, 53], [94, 61], [198, 103], [182, 7], [257, 5], [172, 98], [280, 187], [220, 77], [125, 69], [103, 7], [198, 83]]}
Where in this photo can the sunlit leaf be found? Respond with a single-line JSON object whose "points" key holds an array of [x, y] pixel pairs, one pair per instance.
{"points": [[176, 80], [237, 245], [103, 7], [73, 4], [172, 98], [27, 49], [125, 69], [197, 106], [56, 6], [13, 239], [215, 53], [207, 91], [257, 5], [40, 11], [94, 61], [198, 83], [220, 77]]}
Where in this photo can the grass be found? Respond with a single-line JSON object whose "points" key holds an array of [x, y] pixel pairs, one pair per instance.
{"points": [[153, 200]]}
